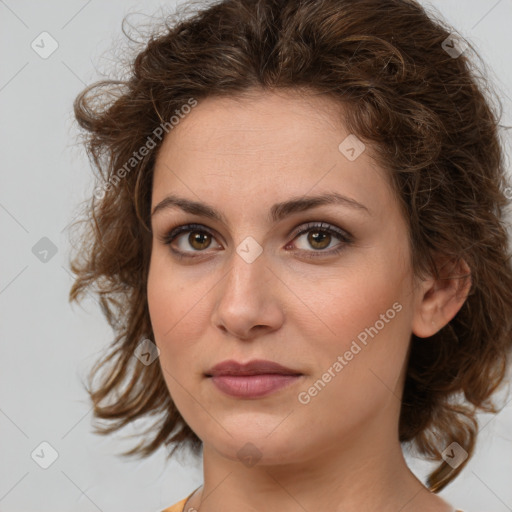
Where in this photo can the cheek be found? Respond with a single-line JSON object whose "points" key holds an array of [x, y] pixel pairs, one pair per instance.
{"points": [[161, 297], [167, 301], [167, 310], [365, 318], [357, 371], [177, 309], [357, 297]]}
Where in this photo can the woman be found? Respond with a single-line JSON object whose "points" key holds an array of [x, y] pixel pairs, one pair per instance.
{"points": [[298, 237]]}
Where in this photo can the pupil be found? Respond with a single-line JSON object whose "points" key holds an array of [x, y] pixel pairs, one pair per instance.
{"points": [[317, 236], [200, 239]]}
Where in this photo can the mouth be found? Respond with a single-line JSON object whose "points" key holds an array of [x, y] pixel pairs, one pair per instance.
{"points": [[252, 386], [254, 367], [254, 379]]}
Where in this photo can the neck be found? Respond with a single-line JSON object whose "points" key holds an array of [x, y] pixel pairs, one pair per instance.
{"points": [[366, 472]]}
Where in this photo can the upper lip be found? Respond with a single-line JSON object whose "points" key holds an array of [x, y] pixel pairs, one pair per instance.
{"points": [[255, 367]]}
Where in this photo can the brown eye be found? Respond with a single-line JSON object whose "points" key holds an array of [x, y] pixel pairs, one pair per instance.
{"points": [[199, 240], [317, 239], [317, 243]]}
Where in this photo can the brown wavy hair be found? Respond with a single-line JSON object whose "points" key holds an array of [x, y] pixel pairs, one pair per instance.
{"points": [[432, 120]]}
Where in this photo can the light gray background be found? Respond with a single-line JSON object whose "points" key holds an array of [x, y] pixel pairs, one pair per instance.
{"points": [[47, 345]]}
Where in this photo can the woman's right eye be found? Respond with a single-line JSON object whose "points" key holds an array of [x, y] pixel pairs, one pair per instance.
{"points": [[199, 238]]}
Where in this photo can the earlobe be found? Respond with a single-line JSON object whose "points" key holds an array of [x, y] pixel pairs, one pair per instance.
{"points": [[440, 299]]}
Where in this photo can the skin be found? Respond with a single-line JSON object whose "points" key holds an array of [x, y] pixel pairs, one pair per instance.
{"points": [[340, 451]]}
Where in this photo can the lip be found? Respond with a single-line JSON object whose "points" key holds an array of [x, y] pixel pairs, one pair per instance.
{"points": [[252, 386], [254, 367], [254, 379]]}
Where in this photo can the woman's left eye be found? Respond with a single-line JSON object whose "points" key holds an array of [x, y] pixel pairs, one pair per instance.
{"points": [[319, 237]]}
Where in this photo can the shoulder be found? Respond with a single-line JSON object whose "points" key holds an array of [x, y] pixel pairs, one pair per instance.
{"points": [[177, 507]]}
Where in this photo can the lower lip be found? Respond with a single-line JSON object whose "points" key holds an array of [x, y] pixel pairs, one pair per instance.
{"points": [[252, 386]]}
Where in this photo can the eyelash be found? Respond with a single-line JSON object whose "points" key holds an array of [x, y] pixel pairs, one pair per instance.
{"points": [[345, 237]]}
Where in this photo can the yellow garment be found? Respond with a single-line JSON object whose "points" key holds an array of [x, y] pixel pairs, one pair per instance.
{"points": [[177, 507], [180, 506]]}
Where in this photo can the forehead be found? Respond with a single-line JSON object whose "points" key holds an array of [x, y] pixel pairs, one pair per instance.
{"points": [[268, 120], [264, 143]]}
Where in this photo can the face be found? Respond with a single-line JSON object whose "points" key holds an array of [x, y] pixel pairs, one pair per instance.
{"points": [[326, 291]]}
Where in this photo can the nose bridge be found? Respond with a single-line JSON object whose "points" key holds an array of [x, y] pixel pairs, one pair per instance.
{"points": [[247, 270], [246, 298]]}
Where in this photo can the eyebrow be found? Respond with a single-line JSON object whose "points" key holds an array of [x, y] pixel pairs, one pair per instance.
{"points": [[277, 212]]}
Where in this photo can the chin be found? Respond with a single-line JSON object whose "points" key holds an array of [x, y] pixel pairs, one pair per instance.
{"points": [[264, 445]]}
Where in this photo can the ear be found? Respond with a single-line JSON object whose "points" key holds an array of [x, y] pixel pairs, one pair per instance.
{"points": [[439, 300]]}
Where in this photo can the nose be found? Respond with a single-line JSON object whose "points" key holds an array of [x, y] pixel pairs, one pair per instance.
{"points": [[247, 302]]}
